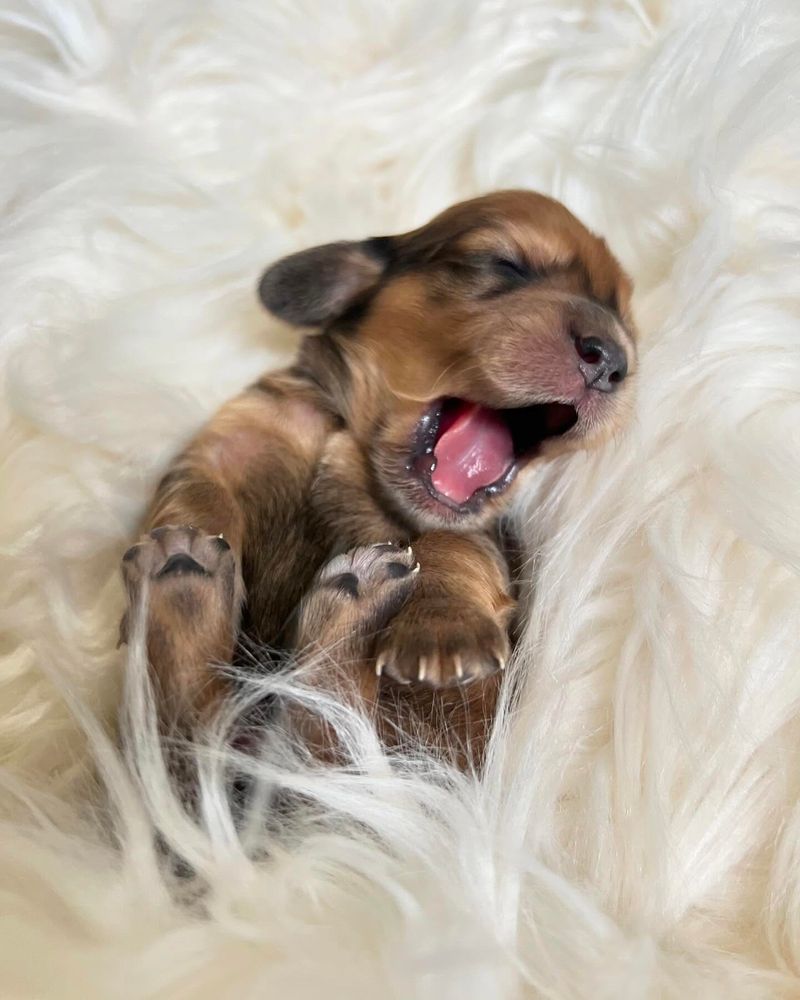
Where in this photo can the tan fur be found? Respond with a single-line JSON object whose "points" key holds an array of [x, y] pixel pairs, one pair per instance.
{"points": [[314, 462]]}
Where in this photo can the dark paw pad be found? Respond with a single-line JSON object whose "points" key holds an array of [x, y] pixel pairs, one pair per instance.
{"points": [[370, 568], [357, 592], [397, 570], [180, 563], [197, 571], [346, 583]]}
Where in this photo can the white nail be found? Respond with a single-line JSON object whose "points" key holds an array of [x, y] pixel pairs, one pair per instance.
{"points": [[459, 666], [409, 551], [423, 668], [380, 664], [501, 661], [415, 568]]}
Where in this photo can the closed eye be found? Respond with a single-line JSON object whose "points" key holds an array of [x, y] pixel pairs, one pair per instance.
{"points": [[505, 273], [511, 268]]}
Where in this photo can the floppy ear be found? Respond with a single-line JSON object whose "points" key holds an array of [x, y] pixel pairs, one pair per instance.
{"points": [[314, 286]]}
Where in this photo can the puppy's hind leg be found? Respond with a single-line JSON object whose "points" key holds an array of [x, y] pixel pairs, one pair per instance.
{"points": [[245, 475], [194, 595]]}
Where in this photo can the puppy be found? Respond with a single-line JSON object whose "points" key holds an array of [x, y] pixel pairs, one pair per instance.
{"points": [[351, 502]]}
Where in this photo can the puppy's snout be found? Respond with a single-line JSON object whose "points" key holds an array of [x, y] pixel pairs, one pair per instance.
{"points": [[602, 362]]}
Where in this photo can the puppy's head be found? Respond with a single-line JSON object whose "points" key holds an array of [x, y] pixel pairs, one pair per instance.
{"points": [[496, 336]]}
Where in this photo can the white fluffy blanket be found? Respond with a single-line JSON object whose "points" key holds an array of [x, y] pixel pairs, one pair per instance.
{"points": [[638, 832]]}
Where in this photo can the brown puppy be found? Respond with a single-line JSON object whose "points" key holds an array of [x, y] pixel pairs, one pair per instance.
{"points": [[446, 363]]}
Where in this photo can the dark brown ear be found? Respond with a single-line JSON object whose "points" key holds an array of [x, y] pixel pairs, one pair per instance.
{"points": [[314, 286]]}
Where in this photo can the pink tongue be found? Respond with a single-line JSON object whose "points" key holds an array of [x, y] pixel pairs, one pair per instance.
{"points": [[474, 451]]}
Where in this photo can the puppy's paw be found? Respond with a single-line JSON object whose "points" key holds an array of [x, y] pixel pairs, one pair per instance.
{"points": [[357, 593], [191, 576], [442, 646]]}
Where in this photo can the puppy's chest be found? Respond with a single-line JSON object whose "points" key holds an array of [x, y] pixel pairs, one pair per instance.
{"points": [[349, 508], [345, 498]]}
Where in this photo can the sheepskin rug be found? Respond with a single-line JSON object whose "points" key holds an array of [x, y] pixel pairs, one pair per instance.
{"points": [[637, 831]]}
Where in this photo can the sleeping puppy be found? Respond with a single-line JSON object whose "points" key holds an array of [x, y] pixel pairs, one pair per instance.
{"points": [[351, 502]]}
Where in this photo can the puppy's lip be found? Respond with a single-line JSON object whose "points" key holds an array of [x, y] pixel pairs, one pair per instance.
{"points": [[529, 428]]}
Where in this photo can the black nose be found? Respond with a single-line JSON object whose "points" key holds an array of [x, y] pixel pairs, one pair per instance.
{"points": [[602, 363]]}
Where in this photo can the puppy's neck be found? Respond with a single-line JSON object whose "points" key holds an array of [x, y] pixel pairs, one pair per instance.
{"points": [[350, 385], [321, 361]]}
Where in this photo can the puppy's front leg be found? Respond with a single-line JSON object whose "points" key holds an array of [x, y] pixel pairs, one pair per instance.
{"points": [[455, 626]]}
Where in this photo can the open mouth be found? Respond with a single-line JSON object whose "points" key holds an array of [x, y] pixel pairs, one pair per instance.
{"points": [[466, 451]]}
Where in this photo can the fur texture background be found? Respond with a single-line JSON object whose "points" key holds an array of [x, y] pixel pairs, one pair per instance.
{"points": [[637, 834]]}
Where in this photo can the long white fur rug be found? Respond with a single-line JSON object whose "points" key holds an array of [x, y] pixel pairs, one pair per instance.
{"points": [[637, 834]]}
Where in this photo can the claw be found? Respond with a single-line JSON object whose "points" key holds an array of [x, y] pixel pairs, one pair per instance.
{"points": [[415, 568], [379, 665], [422, 669], [459, 666], [501, 661]]}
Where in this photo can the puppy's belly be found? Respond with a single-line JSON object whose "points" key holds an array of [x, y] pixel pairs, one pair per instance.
{"points": [[257, 432]]}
